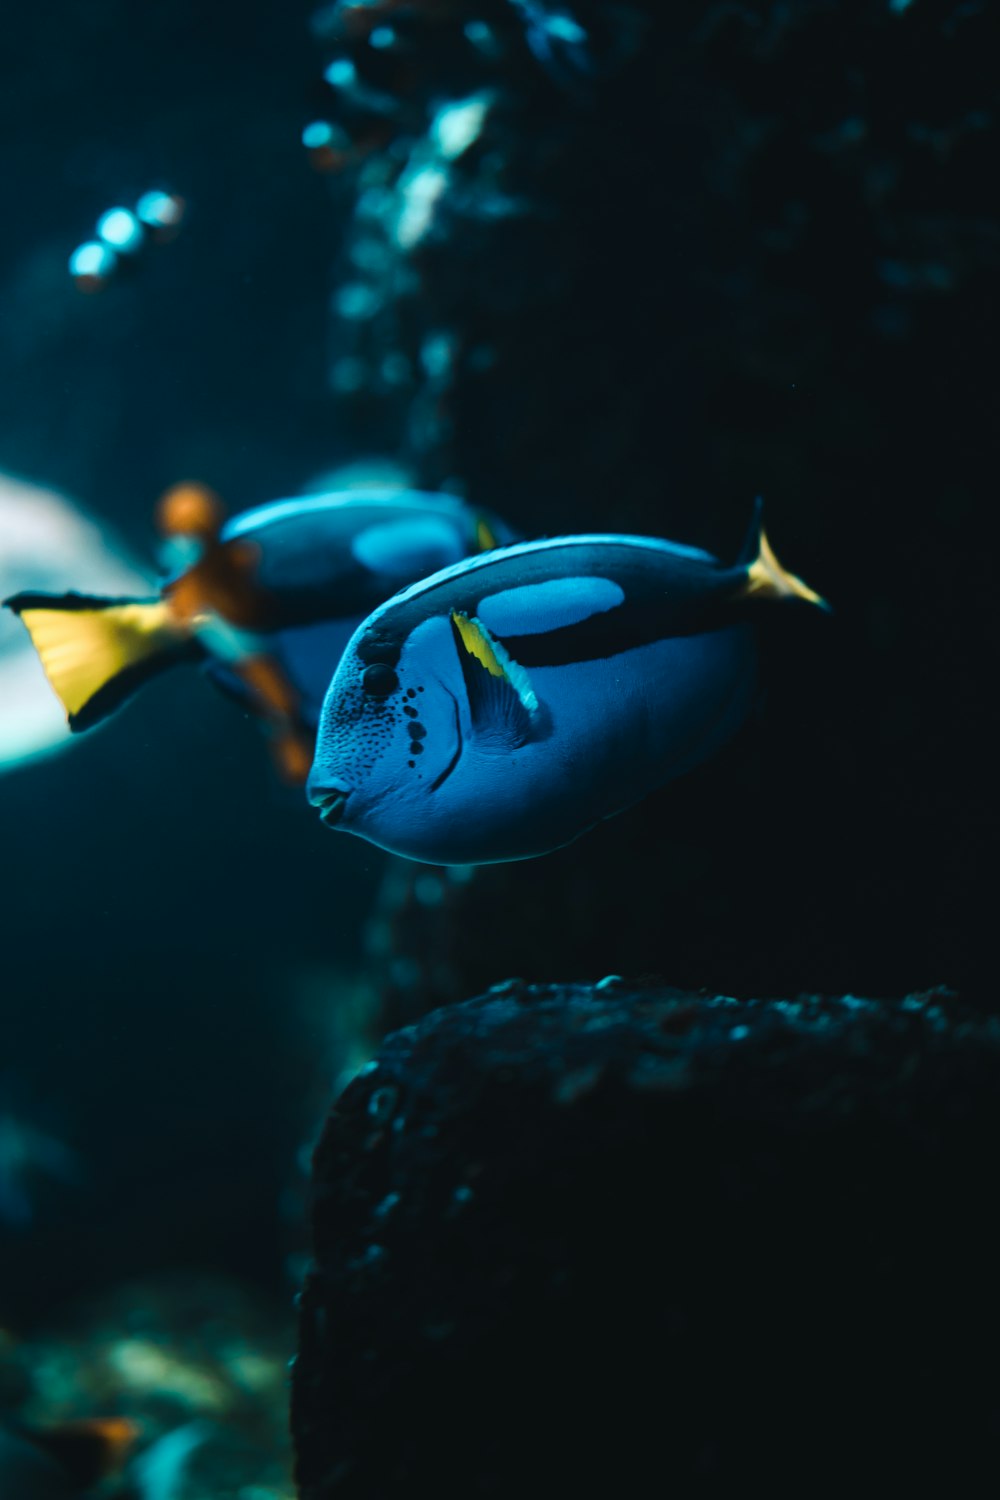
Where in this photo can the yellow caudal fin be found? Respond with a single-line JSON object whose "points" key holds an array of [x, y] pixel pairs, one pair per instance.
{"points": [[96, 652], [765, 576]]}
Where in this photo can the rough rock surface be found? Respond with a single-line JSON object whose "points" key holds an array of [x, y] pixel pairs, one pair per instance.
{"points": [[615, 1234]]}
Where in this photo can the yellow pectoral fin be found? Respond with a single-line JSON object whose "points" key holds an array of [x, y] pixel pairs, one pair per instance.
{"points": [[96, 652], [478, 644], [767, 578]]}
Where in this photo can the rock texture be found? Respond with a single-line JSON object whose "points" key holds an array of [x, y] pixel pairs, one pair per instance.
{"points": [[567, 1235]]}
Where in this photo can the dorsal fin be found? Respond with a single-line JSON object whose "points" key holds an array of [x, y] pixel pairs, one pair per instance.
{"points": [[751, 541], [485, 537]]}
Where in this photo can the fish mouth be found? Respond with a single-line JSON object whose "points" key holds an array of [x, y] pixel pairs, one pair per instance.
{"points": [[331, 806]]}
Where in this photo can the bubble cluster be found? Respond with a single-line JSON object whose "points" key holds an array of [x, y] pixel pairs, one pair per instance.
{"points": [[122, 235]]}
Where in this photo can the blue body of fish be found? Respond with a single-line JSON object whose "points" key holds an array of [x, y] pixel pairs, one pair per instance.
{"points": [[326, 561], [505, 705]]}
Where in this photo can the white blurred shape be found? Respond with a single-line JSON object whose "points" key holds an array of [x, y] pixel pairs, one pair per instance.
{"points": [[47, 544], [420, 187], [458, 124], [92, 260], [120, 229]]}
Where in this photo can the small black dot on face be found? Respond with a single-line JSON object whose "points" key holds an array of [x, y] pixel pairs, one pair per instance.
{"points": [[411, 692], [417, 731], [416, 748], [419, 689], [410, 712], [411, 764]]}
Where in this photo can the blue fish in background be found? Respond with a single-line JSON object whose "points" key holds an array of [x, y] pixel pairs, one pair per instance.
{"points": [[266, 601], [504, 706]]}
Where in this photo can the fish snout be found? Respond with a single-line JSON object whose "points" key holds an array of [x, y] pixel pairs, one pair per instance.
{"points": [[330, 802]]}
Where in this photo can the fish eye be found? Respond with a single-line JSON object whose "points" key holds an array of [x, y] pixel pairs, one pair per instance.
{"points": [[379, 681]]}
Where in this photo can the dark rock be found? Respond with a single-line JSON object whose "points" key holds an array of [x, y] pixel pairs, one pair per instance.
{"points": [[569, 1235]]}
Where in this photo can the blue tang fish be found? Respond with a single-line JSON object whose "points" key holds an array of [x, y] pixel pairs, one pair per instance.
{"points": [[266, 601], [502, 707]]}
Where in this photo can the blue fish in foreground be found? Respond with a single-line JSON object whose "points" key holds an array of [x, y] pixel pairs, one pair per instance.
{"points": [[502, 707], [267, 601]]}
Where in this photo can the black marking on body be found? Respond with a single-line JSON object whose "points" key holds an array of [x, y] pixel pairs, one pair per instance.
{"points": [[417, 734], [666, 595]]}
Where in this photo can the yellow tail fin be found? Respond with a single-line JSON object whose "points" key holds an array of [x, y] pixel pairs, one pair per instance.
{"points": [[96, 652], [767, 579]]}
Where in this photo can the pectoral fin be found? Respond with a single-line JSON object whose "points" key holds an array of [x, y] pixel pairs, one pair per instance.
{"points": [[502, 701]]}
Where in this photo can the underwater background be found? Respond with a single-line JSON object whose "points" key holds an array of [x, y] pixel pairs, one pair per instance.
{"points": [[624, 280]]}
